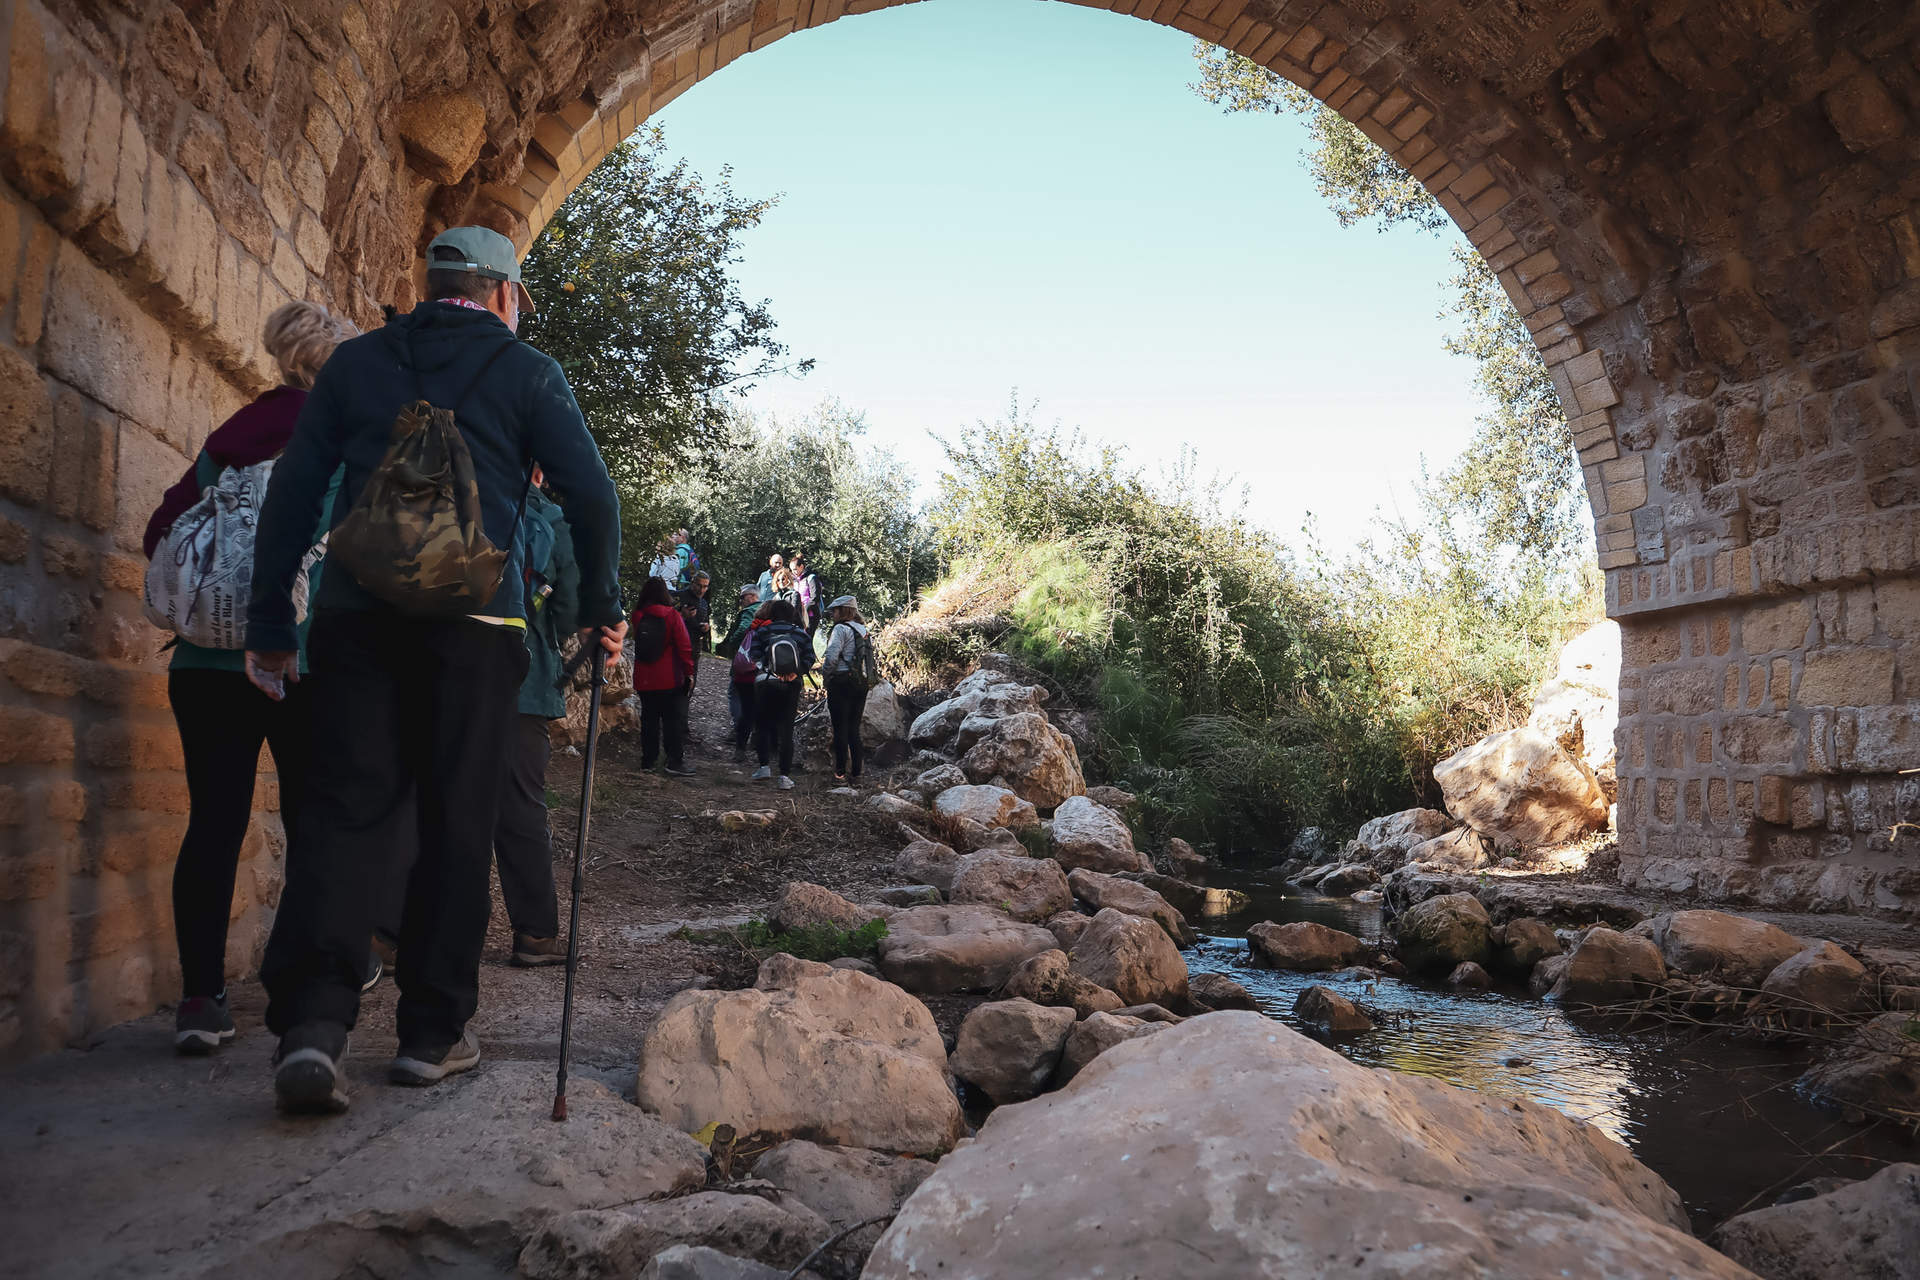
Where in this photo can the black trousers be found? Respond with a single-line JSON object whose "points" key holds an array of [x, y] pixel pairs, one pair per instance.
{"points": [[775, 703], [420, 705], [740, 701], [846, 704], [522, 840], [223, 720], [663, 714]]}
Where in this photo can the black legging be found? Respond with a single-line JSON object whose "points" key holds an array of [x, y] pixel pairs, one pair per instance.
{"points": [[223, 720], [846, 704], [776, 703]]}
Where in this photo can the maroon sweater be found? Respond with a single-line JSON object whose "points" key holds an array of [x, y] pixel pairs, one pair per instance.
{"points": [[257, 432]]}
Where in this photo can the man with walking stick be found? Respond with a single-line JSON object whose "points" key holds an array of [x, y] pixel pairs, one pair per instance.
{"points": [[416, 651]]}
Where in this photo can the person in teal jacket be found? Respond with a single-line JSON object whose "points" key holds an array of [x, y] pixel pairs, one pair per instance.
{"points": [[522, 838]]}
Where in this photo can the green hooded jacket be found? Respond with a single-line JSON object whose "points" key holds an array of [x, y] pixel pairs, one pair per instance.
{"points": [[549, 623]]}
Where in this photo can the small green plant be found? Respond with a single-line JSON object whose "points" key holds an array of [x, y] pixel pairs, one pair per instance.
{"points": [[814, 942], [1035, 841]]}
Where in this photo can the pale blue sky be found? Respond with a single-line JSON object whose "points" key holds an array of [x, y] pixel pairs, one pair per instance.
{"points": [[982, 195]]}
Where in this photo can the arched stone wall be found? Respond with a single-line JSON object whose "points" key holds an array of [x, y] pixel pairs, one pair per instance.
{"points": [[1704, 208]]}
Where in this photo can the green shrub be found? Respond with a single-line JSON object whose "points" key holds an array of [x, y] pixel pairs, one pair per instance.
{"points": [[821, 942], [1245, 690]]}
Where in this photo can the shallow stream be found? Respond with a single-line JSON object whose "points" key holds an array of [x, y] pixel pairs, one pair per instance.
{"points": [[1712, 1113]]}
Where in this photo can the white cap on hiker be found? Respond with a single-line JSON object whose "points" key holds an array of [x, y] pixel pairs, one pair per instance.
{"points": [[483, 252]]}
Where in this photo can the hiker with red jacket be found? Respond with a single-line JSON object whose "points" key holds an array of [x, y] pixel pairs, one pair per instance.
{"points": [[221, 717], [662, 676]]}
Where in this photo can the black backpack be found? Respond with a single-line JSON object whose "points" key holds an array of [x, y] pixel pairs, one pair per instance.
{"points": [[783, 657], [649, 638], [864, 665]]}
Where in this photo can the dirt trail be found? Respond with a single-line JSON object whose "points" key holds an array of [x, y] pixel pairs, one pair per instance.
{"points": [[119, 1158]]}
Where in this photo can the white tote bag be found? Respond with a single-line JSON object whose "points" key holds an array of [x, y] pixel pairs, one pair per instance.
{"points": [[201, 576]]}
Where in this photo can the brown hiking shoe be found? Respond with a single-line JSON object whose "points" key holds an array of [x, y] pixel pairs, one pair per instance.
{"points": [[533, 953]]}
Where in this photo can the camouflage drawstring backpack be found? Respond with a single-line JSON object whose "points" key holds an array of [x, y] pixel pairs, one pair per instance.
{"points": [[415, 537]]}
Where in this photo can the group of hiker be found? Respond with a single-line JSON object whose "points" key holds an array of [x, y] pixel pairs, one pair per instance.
{"points": [[771, 653], [375, 569]]}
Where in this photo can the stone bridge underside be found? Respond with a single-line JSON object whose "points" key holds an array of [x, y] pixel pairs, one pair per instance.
{"points": [[1705, 209]]}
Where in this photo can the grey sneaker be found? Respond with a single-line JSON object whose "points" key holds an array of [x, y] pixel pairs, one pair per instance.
{"points": [[430, 1064], [307, 1079], [762, 773], [201, 1024], [785, 783]]}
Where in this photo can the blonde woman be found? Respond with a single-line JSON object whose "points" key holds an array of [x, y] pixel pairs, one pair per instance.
{"points": [[222, 718]]}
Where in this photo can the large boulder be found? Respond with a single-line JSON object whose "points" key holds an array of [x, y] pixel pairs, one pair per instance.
{"points": [[1087, 835], [1342, 880], [1187, 898], [1094, 1035], [1609, 967], [1442, 932], [1212, 992], [1717, 944], [1133, 958], [1027, 755], [810, 906], [1579, 707], [1312, 845], [984, 695], [1029, 889], [1304, 945], [1864, 1229], [931, 782], [987, 805], [1049, 979], [1183, 857], [1386, 844], [1462, 849], [1231, 1147], [844, 1185], [1522, 943], [1330, 1011], [1135, 899], [1008, 1049], [1522, 790], [808, 1050], [935, 950], [1112, 797], [594, 1243], [1813, 984], [884, 721], [927, 862], [1877, 1071]]}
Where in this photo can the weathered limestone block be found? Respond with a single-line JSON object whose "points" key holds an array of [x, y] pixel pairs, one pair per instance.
{"points": [[1521, 789]]}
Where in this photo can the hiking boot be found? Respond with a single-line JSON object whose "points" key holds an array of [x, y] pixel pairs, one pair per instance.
{"points": [[307, 1077], [762, 773], [530, 952], [430, 1064], [785, 783], [201, 1024], [679, 771]]}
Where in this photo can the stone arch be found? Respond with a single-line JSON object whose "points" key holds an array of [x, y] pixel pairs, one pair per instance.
{"points": [[1704, 208]]}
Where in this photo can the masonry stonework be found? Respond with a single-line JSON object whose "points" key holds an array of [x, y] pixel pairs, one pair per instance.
{"points": [[1704, 209]]}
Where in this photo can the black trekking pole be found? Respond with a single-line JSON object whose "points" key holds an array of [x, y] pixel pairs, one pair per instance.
{"points": [[599, 660]]}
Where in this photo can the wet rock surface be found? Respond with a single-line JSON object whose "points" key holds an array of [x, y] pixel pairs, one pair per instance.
{"points": [[1249, 1150], [1305, 945], [1868, 1229]]}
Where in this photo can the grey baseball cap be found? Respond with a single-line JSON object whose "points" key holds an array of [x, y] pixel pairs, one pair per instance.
{"points": [[483, 252]]}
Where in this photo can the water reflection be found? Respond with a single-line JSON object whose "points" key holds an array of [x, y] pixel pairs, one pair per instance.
{"points": [[1707, 1111]]}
